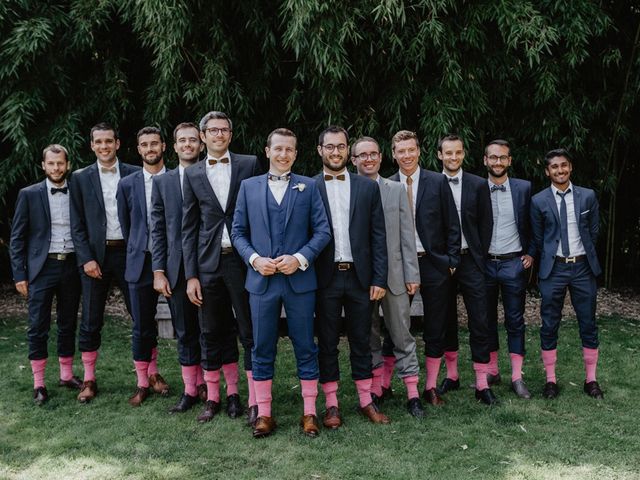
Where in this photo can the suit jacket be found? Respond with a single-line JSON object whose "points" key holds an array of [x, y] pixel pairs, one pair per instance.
{"points": [[88, 218], [545, 227], [521, 198], [401, 243], [166, 225], [437, 225], [306, 229], [366, 234], [476, 217], [203, 217]]}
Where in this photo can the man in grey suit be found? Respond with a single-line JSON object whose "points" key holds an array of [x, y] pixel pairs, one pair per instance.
{"points": [[403, 277]]}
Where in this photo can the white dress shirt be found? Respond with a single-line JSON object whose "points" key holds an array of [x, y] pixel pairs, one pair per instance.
{"points": [[148, 182], [415, 176], [505, 238], [575, 242], [339, 196], [456, 190], [109, 185], [219, 176], [181, 175], [60, 224]]}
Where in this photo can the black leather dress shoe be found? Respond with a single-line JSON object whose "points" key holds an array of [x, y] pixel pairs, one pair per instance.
{"points": [[432, 398], [234, 407], [185, 403], [550, 390], [387, 393], [377, 400], [40, 396], [486, 396], [74, 383], [593, 390], [493, 379], [447, 385], [210, 410], [414, 407], [252, 415]]}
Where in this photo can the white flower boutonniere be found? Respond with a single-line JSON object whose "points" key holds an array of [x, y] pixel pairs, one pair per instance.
{"points": [[299, 186]]}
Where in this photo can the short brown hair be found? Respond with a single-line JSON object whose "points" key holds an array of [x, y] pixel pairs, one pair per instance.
{"points": [[182, 125], [451, 137], [103, 126], [500, 142], [55, 148], [362, 140], [403, 135], [149, 131], [284, 132]]}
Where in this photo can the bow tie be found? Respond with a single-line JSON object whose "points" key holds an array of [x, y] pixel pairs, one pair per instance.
{"points": [[280, 178], [113, 170], [213, 161], [342, 177], [454, 180], [62, 190], [502, 188]]}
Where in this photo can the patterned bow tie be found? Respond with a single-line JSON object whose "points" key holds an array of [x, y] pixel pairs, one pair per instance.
{"points": [[213, 161], [342, 177], [502, 188], [454, 180], [113, 170], [280, 178], [62, 190]]}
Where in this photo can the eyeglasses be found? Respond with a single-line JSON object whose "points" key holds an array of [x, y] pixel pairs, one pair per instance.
{"points": [[329, 147], [214, 131], [496, 158], [365, 156]]}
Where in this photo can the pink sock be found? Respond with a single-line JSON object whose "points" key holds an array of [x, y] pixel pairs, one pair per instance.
{"points": [[493, 363], [66, 367], [230, 371], [590, 356], [549, 358], [411, 382], [189, 376], [481, 369], [376, 381], [330, 390], [263, 396], [212, 378], [153, 364], [516, 366], [387, 371], [252, 388], [364, 391], [89, 362], [200, 376], [309, 395], [37, 367], [432, 366], [142, 372], [451, 361]]}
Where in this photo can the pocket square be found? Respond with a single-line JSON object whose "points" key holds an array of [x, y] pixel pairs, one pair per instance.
{"points": [[585, 212]]}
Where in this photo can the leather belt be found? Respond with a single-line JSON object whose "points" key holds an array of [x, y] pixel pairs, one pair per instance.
{"points": [[422, 254], [226, 250], [115, 243], [464, 251], [60, 256], [576, 259], [344, 266], [505, 256]]}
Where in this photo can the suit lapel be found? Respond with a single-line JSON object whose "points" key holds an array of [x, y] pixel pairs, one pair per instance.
{"points": [[384, 190], [94, 176], [293, 195], [353, 195], [44, 196], [233, 163], [515, 199], [552, 205], [139, 192], [202, 175], [422, 186], [323, 193], [576, 204], [174, 184], [263, 190]]}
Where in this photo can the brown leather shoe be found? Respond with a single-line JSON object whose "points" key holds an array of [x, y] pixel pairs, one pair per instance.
{"points": [[310, 426], [40, 396], [74, 383], [264, 427], [332, 418], [374, 415], [202, 392], [139, 396], [88, 392], [432, 398], [210, 410], [158, 385]]}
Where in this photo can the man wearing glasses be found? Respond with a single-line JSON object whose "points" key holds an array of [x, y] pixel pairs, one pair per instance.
{"points": [[509, 259], [214, 271]]}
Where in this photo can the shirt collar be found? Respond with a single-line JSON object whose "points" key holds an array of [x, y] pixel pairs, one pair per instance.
{"points": [[117, 165], [505, 183], [555, 190], [147, 175], [51, 185], [457, 175], [415, 175], [344, 172]]}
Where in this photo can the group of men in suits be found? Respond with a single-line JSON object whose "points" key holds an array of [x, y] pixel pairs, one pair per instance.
{"points": [[229, 248]]}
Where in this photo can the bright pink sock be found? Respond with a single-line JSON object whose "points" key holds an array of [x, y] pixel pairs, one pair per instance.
{"points": [[590, 356], [200, 376], [153, 364], [376, 381], [230, 371], [516, 366], [411, 382], [493, 363], [451, 361], [364, 391], [212, 378], [481, 369], [37, 367], [189, 376], [66, 367], [142, 372], [263, 396], [330, 390], [387, 372], [252, 388], [549, 359], [309, 395], [89, 362], [432, 366]]}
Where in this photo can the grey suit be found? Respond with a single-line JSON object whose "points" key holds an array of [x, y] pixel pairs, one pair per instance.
{"points": [[403, 269]]}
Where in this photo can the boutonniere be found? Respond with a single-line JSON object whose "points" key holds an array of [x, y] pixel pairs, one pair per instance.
{"points": [[299, 186]]}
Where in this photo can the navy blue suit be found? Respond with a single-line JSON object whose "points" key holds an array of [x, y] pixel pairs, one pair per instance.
{"points": [[298, 225], [166, 232], [30, 261], [555, 276]]}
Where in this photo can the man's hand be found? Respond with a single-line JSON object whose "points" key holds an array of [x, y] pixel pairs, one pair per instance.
{"points": [[376, 293], [527, 261], [412, 288], [92, 269], [287, 264], [161, 284], [23, 288], [194, 292], [265, 266]]}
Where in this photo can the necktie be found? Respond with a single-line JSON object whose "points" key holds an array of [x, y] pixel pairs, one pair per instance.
{"points": [[501, 188], [280, 178], [410, 192], [454, 180], [62, 190], [564, 226], [337, 177], [113, 170], [213, 161]]}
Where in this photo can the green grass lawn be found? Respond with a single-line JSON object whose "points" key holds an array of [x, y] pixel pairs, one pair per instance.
{"points": [[571, 437]]}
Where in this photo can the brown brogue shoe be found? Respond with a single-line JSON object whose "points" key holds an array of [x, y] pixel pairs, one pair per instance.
{"points": [[158, 385], [88, 392], [332, 418], [74, 383], [374, 415], [264, 427], [139, 396], [310, 426]]}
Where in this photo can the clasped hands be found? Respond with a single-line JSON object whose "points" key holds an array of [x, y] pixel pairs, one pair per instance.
{"points": [[286, 264]]}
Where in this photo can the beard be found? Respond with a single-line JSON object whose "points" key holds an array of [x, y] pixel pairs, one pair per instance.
{"points": [[498, 174], [333, 168], [152, 160], [57, 180]]}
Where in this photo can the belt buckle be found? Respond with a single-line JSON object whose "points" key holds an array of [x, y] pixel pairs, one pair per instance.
{"points": [[343, 267], [570, 260]]}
